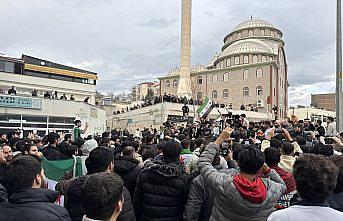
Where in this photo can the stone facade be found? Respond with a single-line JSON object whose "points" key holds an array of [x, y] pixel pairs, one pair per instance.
{"points": [[251, 70]]}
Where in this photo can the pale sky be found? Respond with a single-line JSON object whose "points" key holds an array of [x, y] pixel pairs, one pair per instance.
{"points": [[131, 41]]}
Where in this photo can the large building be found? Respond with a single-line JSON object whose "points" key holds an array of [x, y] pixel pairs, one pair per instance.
{"points": [[324, 101], [142, 90], [251, 70], [35, 113]]}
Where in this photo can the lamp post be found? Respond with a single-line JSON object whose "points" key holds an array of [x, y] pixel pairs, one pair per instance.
{"points": [[339, 112]]}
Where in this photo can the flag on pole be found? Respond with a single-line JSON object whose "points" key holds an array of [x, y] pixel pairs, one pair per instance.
{"points": [[205, 108]]}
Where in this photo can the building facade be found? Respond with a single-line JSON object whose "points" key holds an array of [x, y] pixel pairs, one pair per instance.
{"points": [[28, 113], [28, 73], [141, 90], [251, 70], [324, 101]]}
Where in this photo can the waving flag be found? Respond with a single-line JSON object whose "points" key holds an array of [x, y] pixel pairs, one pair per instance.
{"points": [[205, 108]]}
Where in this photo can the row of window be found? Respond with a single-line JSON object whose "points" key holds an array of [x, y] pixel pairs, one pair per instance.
{"points": [[254, 32], [226, 77], [236, 61], [259, 92]]}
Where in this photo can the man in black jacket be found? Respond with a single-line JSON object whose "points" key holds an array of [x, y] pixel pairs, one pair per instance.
{"points": [[24, 178], [53, 152], [162, 187], [127, 168], [100, 159]]}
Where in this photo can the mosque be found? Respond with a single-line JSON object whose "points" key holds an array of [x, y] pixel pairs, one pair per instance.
{"points": [[250, 70]]}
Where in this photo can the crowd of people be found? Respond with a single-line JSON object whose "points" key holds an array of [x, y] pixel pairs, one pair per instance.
{"points": [[230, 169], [47, 95]]}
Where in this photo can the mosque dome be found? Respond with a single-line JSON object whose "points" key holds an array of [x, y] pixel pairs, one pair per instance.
{"points": [[253, 23]]}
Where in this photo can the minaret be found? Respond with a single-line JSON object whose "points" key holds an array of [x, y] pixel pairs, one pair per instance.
{"points": [[184, 88]]}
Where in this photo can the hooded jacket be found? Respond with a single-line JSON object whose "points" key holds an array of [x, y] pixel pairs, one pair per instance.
{"points": [[33, 204], [161, 192], [128, 169], [229, 203]]}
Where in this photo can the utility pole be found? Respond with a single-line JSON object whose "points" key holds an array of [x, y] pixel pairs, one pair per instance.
{"points": [[339, 112]]}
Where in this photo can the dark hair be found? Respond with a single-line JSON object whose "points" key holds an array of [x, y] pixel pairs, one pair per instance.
{"points": [[27, 147], [172, 150], [237, 148], [149, 138], [21, 172], [275, 143], [315, 177], [135, 145], [272, 156], [250, 160], [98, 160], [199, 142], [67, 137], [100, 194], [300, 140], [322, 149], [149, 153], [52, 137], [77, 121], [338, 160], [128, 151], [126, 143], [287, 148]]}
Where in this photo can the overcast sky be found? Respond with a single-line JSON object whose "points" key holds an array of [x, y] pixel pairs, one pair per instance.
{"points": [[130, 41]]}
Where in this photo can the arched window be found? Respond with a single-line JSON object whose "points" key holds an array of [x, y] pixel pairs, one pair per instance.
{"points": [[236, 60], [259, 72], [214, 94], [199, 95], [255, 59], [259, 91], [199, 80], [228, 62], [175, 83], [226, 77], [246, 92], [225, 93], [251, 32], [214, 78], [239, 35], [272, 33], [262, 32], [264, 59], [246, 74], [167, 83], [246, 59]]}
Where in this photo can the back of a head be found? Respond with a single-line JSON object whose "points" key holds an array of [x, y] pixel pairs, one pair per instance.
{"points": [[237, 148], [199, 142], [126, 143], [275, 143], [315, 177], [128, 151], [250, 160], [172, 150], [98, 160], [323, 149], [300, 140], [52, 137], [272, 156], [101, 194], [21, 172], [67, 137], [287, 148], [338, 161]]}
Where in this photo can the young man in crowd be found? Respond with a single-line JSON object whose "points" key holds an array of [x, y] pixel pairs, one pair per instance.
{"points": [[99, 160], [241, 195], [127, 167], [102, 197], [7, 151], [32, 150], [52, 151], [77, 131], [316, 178], [162, 187], [272, 159], [24, 180]]}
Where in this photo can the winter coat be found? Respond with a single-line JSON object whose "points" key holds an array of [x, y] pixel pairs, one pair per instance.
{"points": [[161, 192], [71, 189], [128, 169], [3, 194], [200, 199], [33, 204], [229, 204], [54, 153], [336, 201]]}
